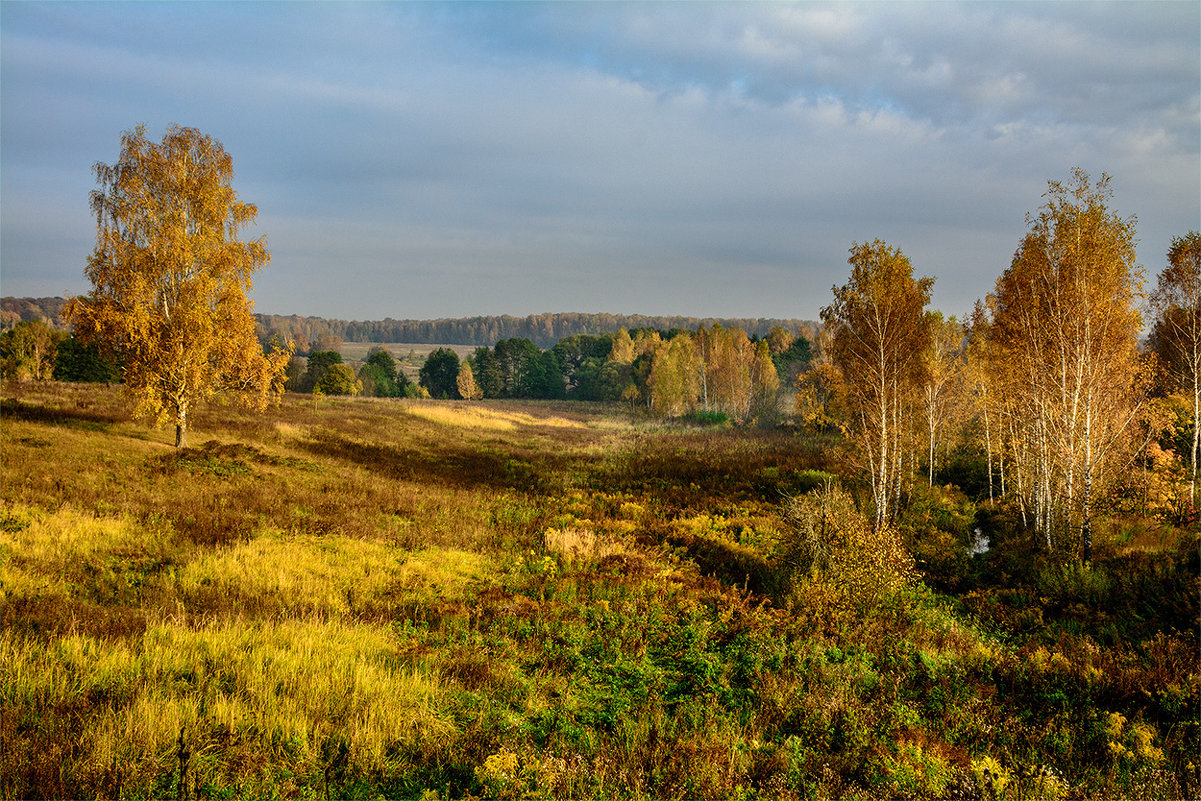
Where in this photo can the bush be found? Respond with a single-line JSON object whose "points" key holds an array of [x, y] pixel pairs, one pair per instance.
{"points": [[703, 418], [339, 380], [830, 543]]}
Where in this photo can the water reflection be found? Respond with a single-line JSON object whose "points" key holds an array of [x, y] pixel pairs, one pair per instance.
{"points": [[980, 544]]}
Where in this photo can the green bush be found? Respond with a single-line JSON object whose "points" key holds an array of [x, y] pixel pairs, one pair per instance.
{"points": [[703, 418]]}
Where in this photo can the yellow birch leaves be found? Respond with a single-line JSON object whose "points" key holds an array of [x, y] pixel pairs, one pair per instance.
{"points": [[1061, 338], [169, 278]]}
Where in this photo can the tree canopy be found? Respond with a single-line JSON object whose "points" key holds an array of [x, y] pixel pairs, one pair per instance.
{"points": [[1060, 332], [440, 374], [169, 278], [879, 333], [1176, 335]]}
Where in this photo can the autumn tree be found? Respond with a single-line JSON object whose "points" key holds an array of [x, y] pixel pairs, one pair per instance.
{"points": [[779, 339], [318, 364], [1176, 337], [622, 349], [1062, 338], [982, 390], [727, 371], [468, 389], [944, 388], [765, 386], [646, 345], [169, 279], [674, 377], [820, 402], [28, 351], [878, 334], [339, 379]]}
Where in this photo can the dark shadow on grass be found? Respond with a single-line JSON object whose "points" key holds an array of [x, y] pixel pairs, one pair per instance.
{"points": [[727, 466], [449, 465], [224, 460], [73, 418]]}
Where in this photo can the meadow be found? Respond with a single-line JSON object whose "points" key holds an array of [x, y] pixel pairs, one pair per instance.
{"points": [[409, 356], [364, 598]]}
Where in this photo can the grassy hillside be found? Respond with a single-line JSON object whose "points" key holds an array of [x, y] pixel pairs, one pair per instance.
{"points": [[439, 599]]}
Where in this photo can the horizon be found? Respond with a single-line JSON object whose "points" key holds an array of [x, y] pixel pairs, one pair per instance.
{"points": [[514, 316]]}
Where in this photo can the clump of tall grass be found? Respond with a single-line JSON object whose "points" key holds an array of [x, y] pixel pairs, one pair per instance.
{"points": [[581, 547]]}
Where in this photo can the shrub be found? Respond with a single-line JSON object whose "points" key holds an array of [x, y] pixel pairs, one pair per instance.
{"points": [[704, 418], [339, 380], [828, 541]]}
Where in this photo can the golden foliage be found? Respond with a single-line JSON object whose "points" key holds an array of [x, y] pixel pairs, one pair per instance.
{"points": [[879, 334], [1176, 335], [468, 388], [831, 545], [169, 279], [1060, 340], [821, 398]]}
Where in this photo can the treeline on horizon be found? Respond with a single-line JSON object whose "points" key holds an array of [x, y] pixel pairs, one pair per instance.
{"points": [[544, 330]]}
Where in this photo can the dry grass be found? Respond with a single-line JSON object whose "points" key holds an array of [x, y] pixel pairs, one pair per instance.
{"points": [[580, 546], [471, 416], [239, 692]]}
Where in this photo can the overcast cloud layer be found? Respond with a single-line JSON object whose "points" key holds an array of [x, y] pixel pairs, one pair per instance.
{"points": [[444, 160]]}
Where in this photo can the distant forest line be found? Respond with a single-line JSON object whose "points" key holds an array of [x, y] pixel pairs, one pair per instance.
{"points": [[544, 330]]}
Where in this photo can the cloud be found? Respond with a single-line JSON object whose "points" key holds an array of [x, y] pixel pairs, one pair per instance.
{"points": [[445, 159]]}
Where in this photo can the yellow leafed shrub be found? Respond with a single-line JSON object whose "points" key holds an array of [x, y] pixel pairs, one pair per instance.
{"points": [[829, 542]]}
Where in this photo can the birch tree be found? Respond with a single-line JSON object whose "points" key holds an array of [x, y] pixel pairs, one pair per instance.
{"points": [[169, 279], [878, 335], [1176, 337], [674, 376], [468, 389], [1063, 334], [943, 390], [765, 386]]}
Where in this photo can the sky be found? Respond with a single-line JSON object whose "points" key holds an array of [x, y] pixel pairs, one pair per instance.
{"points": [[427, 160]]}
